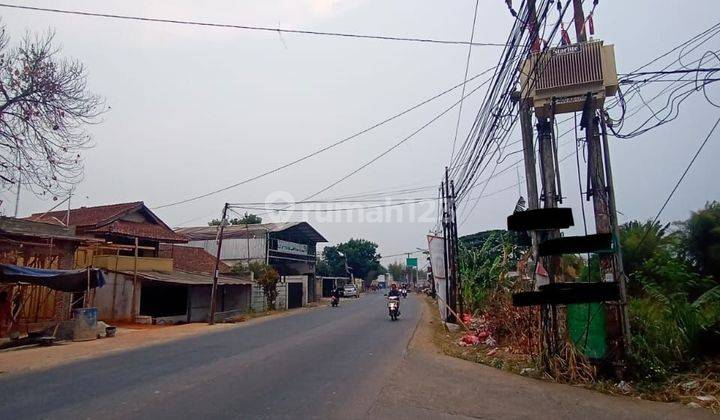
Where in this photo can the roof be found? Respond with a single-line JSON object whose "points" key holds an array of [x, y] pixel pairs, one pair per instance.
{"points": [[192, 259], [107, 219], [204, 233], [190, 279], [11, 226]]}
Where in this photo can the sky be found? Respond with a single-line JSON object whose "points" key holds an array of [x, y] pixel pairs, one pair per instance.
{"points": [[194, 109]]}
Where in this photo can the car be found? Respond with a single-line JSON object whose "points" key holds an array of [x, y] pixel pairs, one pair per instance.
{"points": [[350, 291]]}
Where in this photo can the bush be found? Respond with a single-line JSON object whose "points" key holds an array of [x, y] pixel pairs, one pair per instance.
{"points": [[669, 322]]}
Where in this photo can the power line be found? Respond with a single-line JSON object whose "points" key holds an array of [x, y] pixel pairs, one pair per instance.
{"points": [[393, 147], [251, 28], [321, 150], [467, 68], [677, 184]]}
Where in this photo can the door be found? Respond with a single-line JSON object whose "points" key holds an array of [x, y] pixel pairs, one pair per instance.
{"points": [[295, 295]]}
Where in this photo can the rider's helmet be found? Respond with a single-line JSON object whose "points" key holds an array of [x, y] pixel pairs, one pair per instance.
{"points": [[393, 286]]}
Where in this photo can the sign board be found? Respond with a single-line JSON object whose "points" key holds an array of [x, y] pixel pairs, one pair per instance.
{"points": [[291, 247], [436, 245], [411, 262]]}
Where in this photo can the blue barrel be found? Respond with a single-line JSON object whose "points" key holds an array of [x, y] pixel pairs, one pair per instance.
{"points": [[85, 327]]}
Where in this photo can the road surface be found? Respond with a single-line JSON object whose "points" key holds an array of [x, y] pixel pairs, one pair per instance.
{"points": [[349, 362], [327, 362]]}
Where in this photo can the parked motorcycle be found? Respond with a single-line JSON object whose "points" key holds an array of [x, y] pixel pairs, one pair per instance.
{"points": [[394, 307]]}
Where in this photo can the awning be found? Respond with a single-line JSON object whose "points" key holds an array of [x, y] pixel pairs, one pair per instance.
{"points": [[62, 280], [190, 279]]}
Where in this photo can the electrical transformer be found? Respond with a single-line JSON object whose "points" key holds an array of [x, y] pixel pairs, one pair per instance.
{"points": [[560, 79]]}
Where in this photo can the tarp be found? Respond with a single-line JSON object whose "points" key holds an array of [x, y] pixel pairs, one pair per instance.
{"points": [[62, 280]]}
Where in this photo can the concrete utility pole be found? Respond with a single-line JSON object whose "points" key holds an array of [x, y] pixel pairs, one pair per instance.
{"points": [[216, 273]]}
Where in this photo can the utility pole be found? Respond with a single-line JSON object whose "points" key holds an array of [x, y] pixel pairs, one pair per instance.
{"points": [[550, 198], [456, 253], [452, 280], [579, 19], [526, 127], [216, 273], [619, 269]]}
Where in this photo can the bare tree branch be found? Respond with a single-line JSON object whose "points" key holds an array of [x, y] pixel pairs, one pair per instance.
{"points": [[45, 108]]}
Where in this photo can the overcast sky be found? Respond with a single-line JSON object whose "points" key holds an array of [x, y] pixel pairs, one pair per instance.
{"points": [[194, 109]]}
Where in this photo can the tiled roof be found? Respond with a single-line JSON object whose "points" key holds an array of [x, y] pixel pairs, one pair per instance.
{"points": [[139, 230], [87, 216], [191, 258], [106, 219]]}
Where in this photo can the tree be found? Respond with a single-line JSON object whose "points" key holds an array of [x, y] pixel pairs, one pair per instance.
{"points": [[701, 238], [397, 270], [265, 276], [44, 108], [247, 219], [639, 241], [361, 256]]}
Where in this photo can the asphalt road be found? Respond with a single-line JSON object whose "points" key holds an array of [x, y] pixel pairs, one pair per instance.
{"points": [[322, 363]]}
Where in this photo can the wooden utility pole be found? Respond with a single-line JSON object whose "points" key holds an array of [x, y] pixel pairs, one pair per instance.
{"points": [[134, 306], [446, 256], [619, 269], [216, 273], [549, 198], [456, 252], [579, 20]]}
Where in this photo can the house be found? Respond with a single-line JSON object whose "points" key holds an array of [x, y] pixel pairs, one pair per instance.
{"points": [[27, 243], [288, 247], [143, 282]]}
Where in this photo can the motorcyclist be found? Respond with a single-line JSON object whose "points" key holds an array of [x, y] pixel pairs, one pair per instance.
{"points": [[336, 295], [394, 291]]}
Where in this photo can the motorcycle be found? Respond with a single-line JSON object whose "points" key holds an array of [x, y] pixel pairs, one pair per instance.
{"points": [[404, 293], [394, 307], [334, 301]]}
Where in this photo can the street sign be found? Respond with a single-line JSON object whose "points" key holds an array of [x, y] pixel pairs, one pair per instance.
{"points": [[411, 262]]}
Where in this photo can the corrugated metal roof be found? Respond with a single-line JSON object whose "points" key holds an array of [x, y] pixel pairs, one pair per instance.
{"points": [[203, 233], [191, 279]]}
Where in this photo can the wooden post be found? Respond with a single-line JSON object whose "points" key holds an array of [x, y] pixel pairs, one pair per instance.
{"points": [[117, 259], [213, 291], [135, 306], [603, 224], [552, 264], [456, 252], [619, 269], [579, 20]]}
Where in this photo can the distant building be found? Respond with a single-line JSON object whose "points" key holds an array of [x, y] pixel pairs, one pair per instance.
{"points": [[289, 247]]}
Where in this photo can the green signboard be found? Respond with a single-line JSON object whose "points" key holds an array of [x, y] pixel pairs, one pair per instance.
{"points": [[411, 262]]}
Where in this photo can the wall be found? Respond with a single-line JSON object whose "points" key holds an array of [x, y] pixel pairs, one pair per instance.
{"points": [[258, 302], [127, 263], [121, 286], [235, 248]]}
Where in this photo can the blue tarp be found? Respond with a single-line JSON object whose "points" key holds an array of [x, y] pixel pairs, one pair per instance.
{"points": [[63, 280]]}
